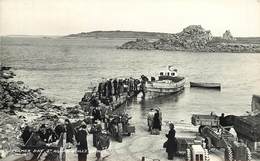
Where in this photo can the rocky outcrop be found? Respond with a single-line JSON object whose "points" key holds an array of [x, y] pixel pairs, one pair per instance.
{"points": [[193, 38], [140, 44], [9, 134], [228, 36], [6, 73], [15, 95]]}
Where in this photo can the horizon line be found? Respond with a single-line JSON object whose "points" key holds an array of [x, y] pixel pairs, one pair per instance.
{"points": [[60, 35]]}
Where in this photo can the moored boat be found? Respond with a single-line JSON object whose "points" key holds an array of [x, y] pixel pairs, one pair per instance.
{"points": [[168, 82], [206, 85]]}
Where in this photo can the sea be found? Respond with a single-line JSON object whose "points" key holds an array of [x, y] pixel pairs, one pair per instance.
{"points": [[66, 67]]}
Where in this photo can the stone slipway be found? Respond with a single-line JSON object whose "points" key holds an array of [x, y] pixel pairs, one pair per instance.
{"points": [[142, 144]]}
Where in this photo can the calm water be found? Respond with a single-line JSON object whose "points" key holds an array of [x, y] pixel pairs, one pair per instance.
{"points": [[66, 67]]}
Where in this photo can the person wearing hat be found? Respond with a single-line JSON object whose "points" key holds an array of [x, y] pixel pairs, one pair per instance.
{"points": [[26, 134], [96, 114], [59, 128], [171, 143], [82, 144], [43, 133], [156, 121]]}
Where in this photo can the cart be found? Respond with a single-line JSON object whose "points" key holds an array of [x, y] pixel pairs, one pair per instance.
{"points": [[192, 148], [205, 120]]}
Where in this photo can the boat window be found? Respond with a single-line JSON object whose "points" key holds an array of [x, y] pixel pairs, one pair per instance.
{"points": [[173, 74], [168, 73], [161, 73]]}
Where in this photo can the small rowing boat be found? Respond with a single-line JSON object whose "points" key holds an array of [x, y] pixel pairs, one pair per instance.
{"points": [[206, 85]]}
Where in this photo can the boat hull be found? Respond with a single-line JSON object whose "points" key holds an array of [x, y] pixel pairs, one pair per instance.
{"points": [[156, 89], [206, 85]]}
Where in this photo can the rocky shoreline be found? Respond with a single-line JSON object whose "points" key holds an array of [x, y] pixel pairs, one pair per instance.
{"points": [[193, 38], [21, 106]]}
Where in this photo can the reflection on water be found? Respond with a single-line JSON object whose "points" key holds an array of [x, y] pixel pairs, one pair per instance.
{"points": [[147, 104]]}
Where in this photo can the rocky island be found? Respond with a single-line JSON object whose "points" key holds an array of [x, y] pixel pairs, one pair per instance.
{"points": [[194, 38]]}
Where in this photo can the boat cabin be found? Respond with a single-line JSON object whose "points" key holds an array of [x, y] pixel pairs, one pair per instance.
{"points": [[169, 75]]}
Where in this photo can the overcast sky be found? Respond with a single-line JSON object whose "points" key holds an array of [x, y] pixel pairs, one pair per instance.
{"points": [[61, 17]]}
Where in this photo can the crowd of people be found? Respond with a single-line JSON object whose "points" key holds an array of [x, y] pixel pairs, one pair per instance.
{"points": [[46, 135], [78, 136], [116, 87], [100, 110], [50, 134]]}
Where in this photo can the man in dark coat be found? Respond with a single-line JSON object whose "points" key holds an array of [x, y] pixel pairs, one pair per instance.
{"points": [[43, 133], [69, 131], [36, 140], [96, 131], [99, 90], [82, 144], [171, 144], [94, 101], [156, 121], [110, 90], [27, 132], [59, 129], [96, 113], [222, 120], [105, 89], [115, 86]]}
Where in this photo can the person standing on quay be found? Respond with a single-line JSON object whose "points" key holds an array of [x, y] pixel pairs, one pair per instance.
{"points": [[69, 131], [150, 119], [82, 144], [156, 121], [171, 144]]}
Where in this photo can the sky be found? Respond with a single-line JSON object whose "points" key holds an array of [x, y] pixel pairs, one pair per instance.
{"points": [[62, 17]]}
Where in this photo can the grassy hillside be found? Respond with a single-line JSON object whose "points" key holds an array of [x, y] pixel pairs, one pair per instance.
{"points": [[119, 34]]}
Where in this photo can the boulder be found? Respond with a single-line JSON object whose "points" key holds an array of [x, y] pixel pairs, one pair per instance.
{"points": [[9, 133], [193, 37]]}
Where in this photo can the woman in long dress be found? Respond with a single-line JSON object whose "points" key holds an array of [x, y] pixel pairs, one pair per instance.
{"points": [[156, 121], [171, 144]]}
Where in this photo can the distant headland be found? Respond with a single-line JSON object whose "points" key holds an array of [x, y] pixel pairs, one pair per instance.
{"points": [[193, 38], [119, 34]]}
